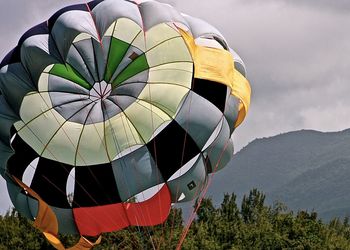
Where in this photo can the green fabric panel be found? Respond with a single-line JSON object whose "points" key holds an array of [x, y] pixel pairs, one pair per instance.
{"points": [[138, 65], [117, 52], [68, 72]]}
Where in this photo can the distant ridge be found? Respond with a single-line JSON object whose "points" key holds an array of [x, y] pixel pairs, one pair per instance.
{"points": [[304, 169]]}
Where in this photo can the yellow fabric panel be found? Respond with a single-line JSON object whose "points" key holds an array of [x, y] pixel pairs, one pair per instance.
{"points": [[218, 65], [54, 241], [214, 64], [85, 244], [46, 220], [242, 90], [210, 63]]}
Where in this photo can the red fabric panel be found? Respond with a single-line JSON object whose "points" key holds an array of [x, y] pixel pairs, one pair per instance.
{"points": [[150, 212], [93, 221]]}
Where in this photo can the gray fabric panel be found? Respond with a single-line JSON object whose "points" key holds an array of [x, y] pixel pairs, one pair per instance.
{"points": [[5, 153], [86, 51], [96, 114], [76, 111], [231, 111], [37, 52], [110, 109], [61, 98], [239, 64], [200, 27], [199, 118], [154, 13], [218, 155], [61, 85], [130, 89], [135, 173], [190, 184], [7, 119], [33, 206], [65, 220], [20, 201], [101, 55], [15, 84], [78, 63], [126, 61], [68, 26], [240, 68], [110, 10], [122, 101]]}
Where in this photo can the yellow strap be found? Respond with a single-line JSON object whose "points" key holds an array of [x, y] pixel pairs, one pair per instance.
{"points": [[83, 243], [218, 65], [241, 89], [46, 222]]}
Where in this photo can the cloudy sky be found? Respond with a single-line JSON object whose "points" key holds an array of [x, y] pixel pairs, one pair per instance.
{"points": [[297, 54]]}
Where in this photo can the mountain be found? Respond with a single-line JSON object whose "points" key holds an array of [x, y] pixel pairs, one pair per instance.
{"points": [[304, 169]]}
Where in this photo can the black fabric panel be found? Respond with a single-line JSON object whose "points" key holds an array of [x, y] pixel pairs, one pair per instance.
{"points": [[212, 91], [23, 156], [14, 56], [95, 185], [39, 29], [50, 180], [172, 148], [93, 4], [54, 17]]}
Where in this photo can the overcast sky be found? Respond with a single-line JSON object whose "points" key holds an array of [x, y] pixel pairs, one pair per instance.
{"points": [[297, 54]]}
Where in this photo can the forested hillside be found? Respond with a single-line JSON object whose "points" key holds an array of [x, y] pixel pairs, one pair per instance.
{"points": [[250, 225]]}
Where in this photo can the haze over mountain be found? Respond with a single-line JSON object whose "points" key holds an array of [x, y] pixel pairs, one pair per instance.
{"points": [[304, 169]]}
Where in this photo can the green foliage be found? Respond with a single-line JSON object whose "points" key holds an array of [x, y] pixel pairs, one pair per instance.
{"points": [[253, 225]]}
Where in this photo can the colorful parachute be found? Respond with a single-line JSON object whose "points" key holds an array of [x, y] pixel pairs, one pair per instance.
{"points": [[132, 101]]}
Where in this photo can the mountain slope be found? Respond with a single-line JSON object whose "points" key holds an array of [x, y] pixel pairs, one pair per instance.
{"points": [[299, 168], [324, 189]]}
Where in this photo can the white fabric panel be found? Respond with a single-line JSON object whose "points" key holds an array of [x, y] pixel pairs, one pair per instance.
{"points": [[158, 95], [146, 118], [174, 50], [120, 135]]}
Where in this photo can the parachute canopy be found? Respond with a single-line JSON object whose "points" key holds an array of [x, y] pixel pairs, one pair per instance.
{"points": [[122, 106]]}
